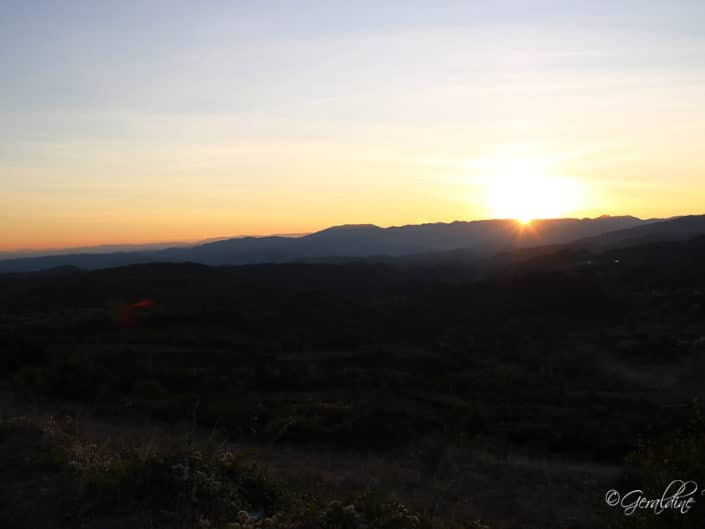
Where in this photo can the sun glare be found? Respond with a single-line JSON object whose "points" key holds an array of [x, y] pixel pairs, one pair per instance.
{"points": [[519, 191]]}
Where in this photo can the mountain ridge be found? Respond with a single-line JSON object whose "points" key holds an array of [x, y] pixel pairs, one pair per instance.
{"points": [[355, 241]]}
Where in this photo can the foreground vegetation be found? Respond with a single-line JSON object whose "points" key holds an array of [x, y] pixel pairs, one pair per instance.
{"points": [[76, 480], [516, 392]]}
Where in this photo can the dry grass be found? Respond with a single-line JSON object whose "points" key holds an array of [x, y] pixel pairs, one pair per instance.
{"points": [[447, 482], [456, 484]]}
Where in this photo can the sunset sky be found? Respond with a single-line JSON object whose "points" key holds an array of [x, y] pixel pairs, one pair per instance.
{"points": [[164, 121]]}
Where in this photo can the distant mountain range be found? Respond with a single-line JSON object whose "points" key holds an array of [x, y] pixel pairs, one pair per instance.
{"points": [[469, 240], [98, 249]]}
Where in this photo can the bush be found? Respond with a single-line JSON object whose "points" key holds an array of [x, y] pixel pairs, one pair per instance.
{"points": [[658, 462]]}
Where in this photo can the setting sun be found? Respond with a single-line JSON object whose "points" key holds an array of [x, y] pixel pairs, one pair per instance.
{"points": [[519, 191]]}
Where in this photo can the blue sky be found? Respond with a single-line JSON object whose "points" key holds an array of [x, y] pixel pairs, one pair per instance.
{"points": [[136, 121]]}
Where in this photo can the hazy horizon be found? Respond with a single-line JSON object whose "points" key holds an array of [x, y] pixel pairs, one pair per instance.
{"points": [[142, 122], [159, 244]]}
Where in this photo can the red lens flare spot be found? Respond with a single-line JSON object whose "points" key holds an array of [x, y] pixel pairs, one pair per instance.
{"points": [[127, 311], [143, 304]]}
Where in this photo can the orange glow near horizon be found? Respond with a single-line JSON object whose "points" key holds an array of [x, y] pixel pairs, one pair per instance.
{"points": [[517, 182], [277, 121]]}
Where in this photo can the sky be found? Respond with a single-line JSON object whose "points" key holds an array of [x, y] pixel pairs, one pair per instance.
{"points": [[132, 122]]}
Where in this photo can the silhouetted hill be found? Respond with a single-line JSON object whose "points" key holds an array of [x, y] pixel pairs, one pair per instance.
{"points": [[229, 251], [675, 229], [86, 261], [674, 260], [475, 239], [661, 259]]}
